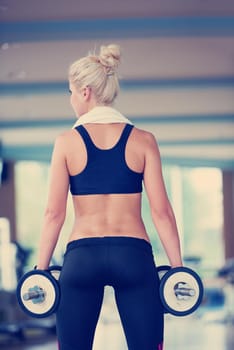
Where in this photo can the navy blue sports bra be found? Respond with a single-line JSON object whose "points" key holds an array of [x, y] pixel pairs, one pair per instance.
{"points": [[106, 171]]}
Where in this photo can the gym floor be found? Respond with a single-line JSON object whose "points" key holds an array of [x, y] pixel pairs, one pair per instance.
{"points": [[183, 334], [199, 331]]}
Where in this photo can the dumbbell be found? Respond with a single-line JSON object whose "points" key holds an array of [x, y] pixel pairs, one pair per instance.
{"points": [[38, 292], [181, 290]]}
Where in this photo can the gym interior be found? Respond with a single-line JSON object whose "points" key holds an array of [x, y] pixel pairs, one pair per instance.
{"points": [[177, 81]]}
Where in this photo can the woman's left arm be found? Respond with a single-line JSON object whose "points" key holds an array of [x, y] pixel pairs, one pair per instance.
{"points": [[55, 212]]}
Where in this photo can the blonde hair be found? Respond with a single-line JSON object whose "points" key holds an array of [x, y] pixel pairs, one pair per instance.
{"points": [[99, 72]]}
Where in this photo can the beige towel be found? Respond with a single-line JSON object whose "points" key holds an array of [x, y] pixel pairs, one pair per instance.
{"points": [[102, 115]]}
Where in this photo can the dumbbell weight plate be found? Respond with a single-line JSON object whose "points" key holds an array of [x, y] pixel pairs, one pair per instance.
{"points": [[44, 280], [55, 271], [171, 303], [162, 269]]}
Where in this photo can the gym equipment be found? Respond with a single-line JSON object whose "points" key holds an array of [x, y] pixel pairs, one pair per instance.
{"points": [[162, 270], [181, 290], [227, 274], [8, 263], [55, 271], [38, 292]]}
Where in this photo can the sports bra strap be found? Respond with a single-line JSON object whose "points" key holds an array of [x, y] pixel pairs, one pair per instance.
{"points": [[125, 134], [88, 140], [85, 135]]}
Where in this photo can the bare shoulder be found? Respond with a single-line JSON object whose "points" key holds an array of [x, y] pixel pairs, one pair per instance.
{"points": [[146, 138], [62, 141], [66, 134], [66, 137]]}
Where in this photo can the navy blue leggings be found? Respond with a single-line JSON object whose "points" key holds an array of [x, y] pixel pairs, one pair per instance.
{"points": [[126, 264]]}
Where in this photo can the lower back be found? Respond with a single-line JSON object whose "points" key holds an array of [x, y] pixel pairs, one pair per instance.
{"points": [[108, 215]]}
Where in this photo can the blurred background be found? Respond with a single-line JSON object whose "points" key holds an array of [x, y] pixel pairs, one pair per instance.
{"points": [[177, 81]]}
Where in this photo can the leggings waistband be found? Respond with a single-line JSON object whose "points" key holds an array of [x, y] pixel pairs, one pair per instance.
{"points": [[109, 240]]}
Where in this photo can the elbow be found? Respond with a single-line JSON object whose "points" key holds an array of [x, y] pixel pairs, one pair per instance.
{"points": [[53, 215], [163, 213]]}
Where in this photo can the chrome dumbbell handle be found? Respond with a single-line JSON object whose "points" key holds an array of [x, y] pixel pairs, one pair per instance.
{"points": [[183, 290], [36, 294], [188, 292]]}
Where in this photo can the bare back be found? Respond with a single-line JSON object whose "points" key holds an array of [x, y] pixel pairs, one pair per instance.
{"points": [[109, 214]]}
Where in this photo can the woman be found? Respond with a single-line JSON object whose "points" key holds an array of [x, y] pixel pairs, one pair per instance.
{"points": [[104, 159]]}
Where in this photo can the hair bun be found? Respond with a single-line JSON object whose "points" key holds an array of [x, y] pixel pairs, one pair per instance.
{"points": [[110, 57]]}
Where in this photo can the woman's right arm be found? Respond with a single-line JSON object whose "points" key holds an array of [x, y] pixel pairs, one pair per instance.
{"points": [[161, 210]]}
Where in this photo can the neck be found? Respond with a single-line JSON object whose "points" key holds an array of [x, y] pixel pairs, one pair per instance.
{"points": [[95, 104]]}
